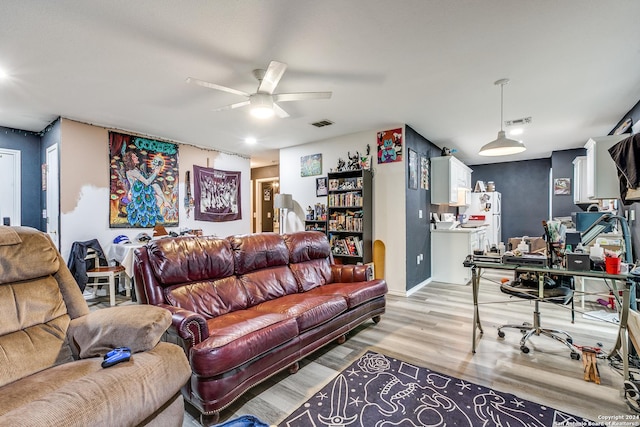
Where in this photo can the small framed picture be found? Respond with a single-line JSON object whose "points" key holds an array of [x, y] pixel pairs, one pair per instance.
{"points": [[321, 186], [562, 186], [311, 165]]}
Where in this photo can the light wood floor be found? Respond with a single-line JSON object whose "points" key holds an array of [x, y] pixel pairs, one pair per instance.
{"points": [[432, 328]]}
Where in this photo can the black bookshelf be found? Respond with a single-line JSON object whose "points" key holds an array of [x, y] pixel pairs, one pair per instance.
{"points": [[349, 222]]}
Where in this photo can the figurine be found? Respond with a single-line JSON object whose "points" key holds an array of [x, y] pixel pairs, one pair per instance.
{"points": [[341, 165], [354, 161]]}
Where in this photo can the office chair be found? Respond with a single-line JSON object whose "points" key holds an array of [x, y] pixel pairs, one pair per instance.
{"points": [[526, 286]]}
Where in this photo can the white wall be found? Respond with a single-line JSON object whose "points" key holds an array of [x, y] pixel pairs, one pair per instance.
{"points": [[388, 194], [84, 188]]}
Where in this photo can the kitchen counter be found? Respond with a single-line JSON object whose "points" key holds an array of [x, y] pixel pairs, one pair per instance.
{"points": [[449, 248]]}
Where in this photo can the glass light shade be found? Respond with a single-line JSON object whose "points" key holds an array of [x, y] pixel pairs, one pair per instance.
{"points": [[502, 146], [262, 112], [261, 105]]}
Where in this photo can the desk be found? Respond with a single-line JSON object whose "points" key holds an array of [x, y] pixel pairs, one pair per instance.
{"points": [[622, 341]]}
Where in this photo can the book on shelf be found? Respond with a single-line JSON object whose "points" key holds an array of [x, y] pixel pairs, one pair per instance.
{"points": [[349, 245]]}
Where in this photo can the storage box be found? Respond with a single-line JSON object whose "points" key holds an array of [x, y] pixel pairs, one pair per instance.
{"points": [[578, 261]]}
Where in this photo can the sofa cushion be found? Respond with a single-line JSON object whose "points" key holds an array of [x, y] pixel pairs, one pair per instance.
{"points": [[33, 256], [35, 322], [82, 393], [237, 337], [189, 259], [309, 258], [308, 310], [256, 251], [355, 293], [209, 298], [267, 284]]}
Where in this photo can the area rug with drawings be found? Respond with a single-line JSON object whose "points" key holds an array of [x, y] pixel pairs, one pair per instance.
{"points": [[378, 390]]}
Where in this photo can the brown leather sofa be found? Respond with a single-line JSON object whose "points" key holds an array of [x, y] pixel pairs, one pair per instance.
{"points": [[246, 307], [52, 347]]}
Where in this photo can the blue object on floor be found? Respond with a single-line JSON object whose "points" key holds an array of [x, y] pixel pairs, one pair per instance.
{"points": [[243, 421]]}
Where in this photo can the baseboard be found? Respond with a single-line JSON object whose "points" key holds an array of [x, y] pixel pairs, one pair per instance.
{"points": [[416, 288]]}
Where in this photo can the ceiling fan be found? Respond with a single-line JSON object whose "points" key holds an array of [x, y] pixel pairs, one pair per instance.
{"points": [[263, 102]]}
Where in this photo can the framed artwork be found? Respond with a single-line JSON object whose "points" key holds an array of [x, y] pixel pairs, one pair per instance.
{"points": [[216, 194], [390, 146], [413, 169], [424, 172], [143, 182], [321, 186], [311, 165], [562, 186]]}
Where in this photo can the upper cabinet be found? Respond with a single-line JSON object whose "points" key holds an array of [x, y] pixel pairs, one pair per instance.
{"points": [[601, 174], [450, 181], [580, 180]]}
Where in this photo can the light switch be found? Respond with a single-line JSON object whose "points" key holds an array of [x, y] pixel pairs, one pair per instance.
{"points": [[420, 213]]}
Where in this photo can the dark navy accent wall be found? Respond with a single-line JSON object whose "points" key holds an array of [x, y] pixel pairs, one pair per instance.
{"points": [[525, 194], [418, 240], [562, 167], [28, 143]]}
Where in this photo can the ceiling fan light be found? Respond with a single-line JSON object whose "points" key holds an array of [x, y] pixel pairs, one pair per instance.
{"points": [[502, 146], [261, 105]]}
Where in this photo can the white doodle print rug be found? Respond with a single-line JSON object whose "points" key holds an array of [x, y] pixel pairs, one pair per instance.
{"points": [[381, 391]]}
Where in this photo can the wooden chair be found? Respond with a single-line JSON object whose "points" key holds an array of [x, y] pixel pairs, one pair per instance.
{"points": [[105, 272]]}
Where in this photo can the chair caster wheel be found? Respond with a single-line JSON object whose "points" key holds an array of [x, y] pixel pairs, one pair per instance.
{"points": [[575, 356], [524, 349], [501, 334]]}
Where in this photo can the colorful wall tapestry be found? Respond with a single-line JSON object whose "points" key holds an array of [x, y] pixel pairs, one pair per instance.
{"points": [[390, 146], [143, 183], [216, 194]]}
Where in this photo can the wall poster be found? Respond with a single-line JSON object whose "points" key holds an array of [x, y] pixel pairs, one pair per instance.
{"points": [[144, 182], [390, 146], [311, 165], [424, 172], [217, 194]]}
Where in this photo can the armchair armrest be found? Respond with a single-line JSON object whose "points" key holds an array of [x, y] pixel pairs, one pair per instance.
{"points": [[348, 273], [190, 326], [139, 327]]}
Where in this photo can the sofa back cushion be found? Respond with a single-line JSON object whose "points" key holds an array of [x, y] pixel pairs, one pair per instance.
{"points": [[210, 298], [257, 251], [34, 316], [309, 258], [188, 259]]}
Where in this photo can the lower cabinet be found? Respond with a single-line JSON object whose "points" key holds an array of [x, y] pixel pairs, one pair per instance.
{"points": [[449, 248]]}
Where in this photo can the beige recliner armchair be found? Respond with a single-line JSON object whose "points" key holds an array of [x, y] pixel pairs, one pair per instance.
{"points": [[52, 347]]}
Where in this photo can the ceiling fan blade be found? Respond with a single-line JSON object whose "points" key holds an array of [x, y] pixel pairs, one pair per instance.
{"points": [[280, 112], [272, 77], [233, 106], [215, 86], [301, 96]]}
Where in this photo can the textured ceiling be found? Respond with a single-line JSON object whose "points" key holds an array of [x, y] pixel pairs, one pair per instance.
{"points": [[573, 66]]}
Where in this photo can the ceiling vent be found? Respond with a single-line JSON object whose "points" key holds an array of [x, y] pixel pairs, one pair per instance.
{"points": [[518, 122], [322, 123]]}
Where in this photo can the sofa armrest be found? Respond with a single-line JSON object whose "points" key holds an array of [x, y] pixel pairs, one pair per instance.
{"points": [[348, 273], [139, 327], [189, 326]]}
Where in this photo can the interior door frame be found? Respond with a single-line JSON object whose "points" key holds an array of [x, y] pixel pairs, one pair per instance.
{"points": [[16, 215], [258, 206], [53, 181]]}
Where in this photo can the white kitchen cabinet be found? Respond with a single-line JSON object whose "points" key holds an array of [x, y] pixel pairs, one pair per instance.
{"points": [[580, 180], [449, 248], [450, 181], [601, 174]]}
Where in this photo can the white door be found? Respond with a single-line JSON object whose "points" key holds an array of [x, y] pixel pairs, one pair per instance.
{"points": [[53, 195], [10, 199]]}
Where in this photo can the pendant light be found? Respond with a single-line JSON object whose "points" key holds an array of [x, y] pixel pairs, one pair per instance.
{"points": [[502, 146]]}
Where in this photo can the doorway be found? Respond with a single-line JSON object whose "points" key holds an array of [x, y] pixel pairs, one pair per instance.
{"points": [[53, 195], [10, 198], [265, 191]]}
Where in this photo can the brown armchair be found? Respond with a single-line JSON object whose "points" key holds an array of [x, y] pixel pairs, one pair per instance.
{"points": [[51, 348]]}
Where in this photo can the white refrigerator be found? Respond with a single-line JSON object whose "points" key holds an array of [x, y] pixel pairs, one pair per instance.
{"points": [[489, 205]]}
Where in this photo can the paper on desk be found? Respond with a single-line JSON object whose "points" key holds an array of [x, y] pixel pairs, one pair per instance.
{"points": [[605, 316]]}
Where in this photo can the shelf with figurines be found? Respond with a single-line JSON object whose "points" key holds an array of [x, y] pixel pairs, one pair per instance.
{"points": [[316, 218]]}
